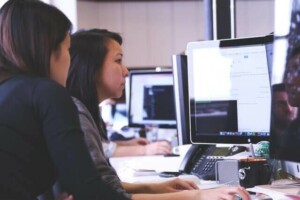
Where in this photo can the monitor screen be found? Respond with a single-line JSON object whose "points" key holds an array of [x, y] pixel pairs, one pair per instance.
{"points": [[151, 100], [285, 129], [179, 63], [229, 90]]}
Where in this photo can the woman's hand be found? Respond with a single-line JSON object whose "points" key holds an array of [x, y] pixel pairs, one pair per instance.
{"points": [[174, 185], [224, 193], [65, 196], [138, 141], [160, 147]]}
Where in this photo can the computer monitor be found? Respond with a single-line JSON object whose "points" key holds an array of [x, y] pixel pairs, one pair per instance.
{"points": [[179, 63], [269, 39], [151, 100], [285, 145], [229, 91]]}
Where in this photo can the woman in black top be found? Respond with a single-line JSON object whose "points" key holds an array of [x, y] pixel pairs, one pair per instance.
{"points": [[40, 134]]}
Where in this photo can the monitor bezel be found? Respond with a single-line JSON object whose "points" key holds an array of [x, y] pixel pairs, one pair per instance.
{"points": [[216, 139], [146, 72], [179, 63]]}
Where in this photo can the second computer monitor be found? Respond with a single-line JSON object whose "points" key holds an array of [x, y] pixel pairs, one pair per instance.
{"points": [[229, 91], [151, 100]]}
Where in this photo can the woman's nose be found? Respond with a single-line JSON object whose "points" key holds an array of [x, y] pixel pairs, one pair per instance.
{"points": [[125, 70]]}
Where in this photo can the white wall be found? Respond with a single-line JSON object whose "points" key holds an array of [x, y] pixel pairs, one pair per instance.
{"points": [[153, 31], [254, 17], [68, 7], [2, 2]]}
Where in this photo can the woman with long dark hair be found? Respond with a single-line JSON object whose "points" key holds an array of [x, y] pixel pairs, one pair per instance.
{"points": [[40, 135], [91, 82], [97, 73]]}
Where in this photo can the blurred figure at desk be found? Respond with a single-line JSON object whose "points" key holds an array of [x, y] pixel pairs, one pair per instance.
{"points": [[133, 147], [283, 113], [96, 73], [292, 84]]}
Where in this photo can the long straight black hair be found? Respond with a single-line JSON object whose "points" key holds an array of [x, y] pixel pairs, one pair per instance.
{"points": [[30, 31], [88, 51]]}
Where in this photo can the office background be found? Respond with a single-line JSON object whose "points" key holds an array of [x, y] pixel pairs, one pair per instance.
{"points": [[154, 30]]}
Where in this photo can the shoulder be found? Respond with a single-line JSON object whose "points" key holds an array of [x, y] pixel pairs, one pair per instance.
{"points": [[45, 85], [46, 88], [80, 106], [82, 109], [46, 95], [85, 116], [31, 82], [36, 88], [37, 85]]}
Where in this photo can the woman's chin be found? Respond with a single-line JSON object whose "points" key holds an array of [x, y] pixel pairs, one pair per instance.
{"points": [[117, 96]]}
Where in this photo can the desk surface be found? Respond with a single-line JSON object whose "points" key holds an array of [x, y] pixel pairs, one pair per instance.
{"points": [[146, 168], [136, 168]]}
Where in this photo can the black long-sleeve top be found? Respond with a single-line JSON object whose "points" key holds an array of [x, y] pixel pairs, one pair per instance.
{"points": [[41, 139]]}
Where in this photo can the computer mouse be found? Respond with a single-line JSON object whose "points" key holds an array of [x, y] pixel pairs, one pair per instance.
{"points": [[169, 174], [125, 128]]}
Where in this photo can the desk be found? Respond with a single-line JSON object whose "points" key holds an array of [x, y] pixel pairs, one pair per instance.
{"points": [[127, 168]]}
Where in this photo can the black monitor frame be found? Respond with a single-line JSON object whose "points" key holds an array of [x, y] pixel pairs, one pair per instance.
{"points": [[162, 124], [180, 74], [285, 146]]}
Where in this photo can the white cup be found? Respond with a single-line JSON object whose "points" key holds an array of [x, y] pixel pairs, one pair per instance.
{"points": [[152, 132]]}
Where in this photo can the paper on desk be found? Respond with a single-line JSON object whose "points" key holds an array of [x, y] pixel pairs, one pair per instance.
{"points": [[157, 179], [130, 168], [277, 193], [157, 163], [209, 185], [144, 172]]}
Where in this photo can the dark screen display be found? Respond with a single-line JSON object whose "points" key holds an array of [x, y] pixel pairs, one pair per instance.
{"points": [[285, 127]]}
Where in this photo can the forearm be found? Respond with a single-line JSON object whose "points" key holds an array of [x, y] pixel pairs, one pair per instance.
{"points": [[133, 188], [186, 195], [123, 143], [129, 151]]}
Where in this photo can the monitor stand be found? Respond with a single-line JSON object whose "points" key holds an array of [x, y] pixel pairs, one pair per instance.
{"points": [[251, 149]]}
